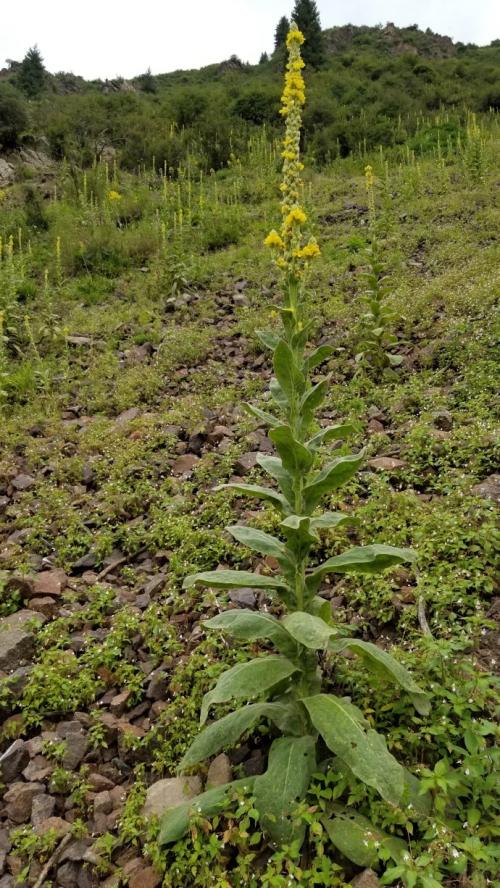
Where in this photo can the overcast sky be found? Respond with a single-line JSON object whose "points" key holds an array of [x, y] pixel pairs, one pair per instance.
{"points": [[108, 38]]}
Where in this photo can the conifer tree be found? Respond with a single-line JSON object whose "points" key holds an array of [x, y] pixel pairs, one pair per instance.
{"points": [[31, 76], [306, 17], [282, 29], [147, 82]]}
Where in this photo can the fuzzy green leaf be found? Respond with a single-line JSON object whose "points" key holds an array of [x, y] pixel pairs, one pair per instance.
{"points": [[331, 433], [262, 415], [248, 680], [226, 731], [259, 492], [317, 357], [331, 519], [333, 475], [363, 750], [292, 761], [289, 377], [248, 625], [360, 559], [357, 838], [268, 338], [295, 458], [258, 540], [275, 468], [233, 579], [175, 822], [314, 397], [384, 664], [310, 631]]}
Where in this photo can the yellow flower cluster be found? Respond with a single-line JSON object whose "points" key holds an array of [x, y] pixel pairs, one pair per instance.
{"points": [[113, 195], [293, 254], [3, 195]]}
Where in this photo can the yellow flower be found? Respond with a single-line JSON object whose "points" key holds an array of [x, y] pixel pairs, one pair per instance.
{"points": [[3, 195], [294, 36], [113, 195], [274, 240], [369, 177], [309, 251], [295, 215]]}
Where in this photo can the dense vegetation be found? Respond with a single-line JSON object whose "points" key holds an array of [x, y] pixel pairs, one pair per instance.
{"points": [[371, 86], [130, 293]]}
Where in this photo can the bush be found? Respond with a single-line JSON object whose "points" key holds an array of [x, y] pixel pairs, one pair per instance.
{"points": [[13, 117]]}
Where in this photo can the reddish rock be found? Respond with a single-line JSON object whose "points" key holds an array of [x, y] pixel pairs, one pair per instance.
{"points": [[19, 800], [144, 877], [184, 465], [118, 704], [57, 824], [246, 462], [43, 605], [375, 427], [50, 582], [386, 463]]}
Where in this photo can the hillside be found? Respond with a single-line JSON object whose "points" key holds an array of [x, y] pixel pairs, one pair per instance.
{"points": [[372, 78], [133, 283]]}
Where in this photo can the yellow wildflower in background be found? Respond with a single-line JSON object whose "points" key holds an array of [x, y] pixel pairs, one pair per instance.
{"points": [[113, 195], [3, 195], [370, 191], [294, 255]]}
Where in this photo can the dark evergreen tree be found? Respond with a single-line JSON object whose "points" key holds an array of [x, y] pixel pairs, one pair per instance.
{"points": [[306, 17], [31, 76], [147, 82], [263, 58], [282, 29]]}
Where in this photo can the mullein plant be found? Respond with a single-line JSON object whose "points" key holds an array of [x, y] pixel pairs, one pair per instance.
{"points": [[285, 687], [374, 350]]}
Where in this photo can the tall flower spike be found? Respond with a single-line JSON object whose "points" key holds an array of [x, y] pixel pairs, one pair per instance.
{"points": [[293, 254]]}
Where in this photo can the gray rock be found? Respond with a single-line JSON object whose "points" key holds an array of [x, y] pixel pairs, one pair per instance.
{"points": [[43, 807], [243, 597], [16, 647], [157, 686], [443, 419], [7, 882], [23, 482], [246, 462], [21, 618], [168, 793], [13, 761], [366, 879], [489, 488], [7, 173], [219, 771]]}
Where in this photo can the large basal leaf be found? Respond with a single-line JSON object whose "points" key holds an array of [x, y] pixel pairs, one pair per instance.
{"points": [[289, 377], [357, 838], [331, 519], [226, 731], [310, 631], [233, 579], [292, 761], [262, 415], [321, 608], [363, 750], [263, 493], [275, 468], [247, 681], [384, 664], [360, 559], [248, 625], [332, 433], [258, 540], [175, 822], [335, 474], [295, 457]]}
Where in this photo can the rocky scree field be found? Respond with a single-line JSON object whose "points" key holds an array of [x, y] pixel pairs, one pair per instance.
{"points": [[129, 307]]}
